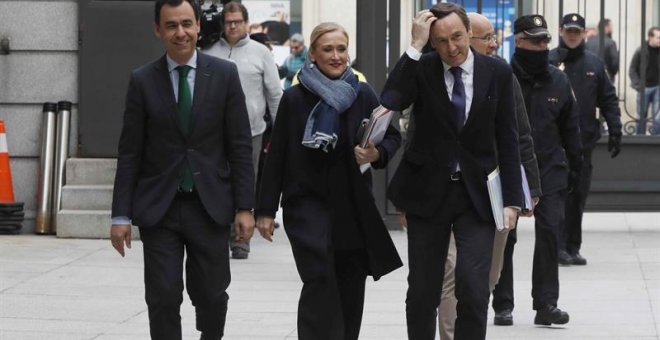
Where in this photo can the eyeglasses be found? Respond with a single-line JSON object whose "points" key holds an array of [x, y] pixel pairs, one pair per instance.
{"points": [[234, 22], [487, 38], [538, 40]]}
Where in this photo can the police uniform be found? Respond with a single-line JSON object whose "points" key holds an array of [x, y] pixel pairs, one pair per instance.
{"points": [[592, 88], [553, 117]]}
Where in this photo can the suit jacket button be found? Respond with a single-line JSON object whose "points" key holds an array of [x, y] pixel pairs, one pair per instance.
{"points": [[191, 150]]}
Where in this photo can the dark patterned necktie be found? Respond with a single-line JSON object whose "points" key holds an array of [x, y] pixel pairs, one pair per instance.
{"points": [[184, 108], [458, 97], [458, 102]]}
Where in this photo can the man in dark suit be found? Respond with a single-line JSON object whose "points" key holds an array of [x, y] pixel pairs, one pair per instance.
{"points": [[184, 173], [465, 126]]}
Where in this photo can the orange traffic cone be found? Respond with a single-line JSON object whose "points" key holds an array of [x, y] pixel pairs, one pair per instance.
{"points": [[6, 186]]}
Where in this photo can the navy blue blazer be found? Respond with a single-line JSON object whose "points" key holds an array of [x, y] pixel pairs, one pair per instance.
{"points": [[153, 148], [489, 137]]}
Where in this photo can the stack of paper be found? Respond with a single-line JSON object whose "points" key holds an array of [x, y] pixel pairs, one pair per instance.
{"points": [[375, 128], [495, 193]]}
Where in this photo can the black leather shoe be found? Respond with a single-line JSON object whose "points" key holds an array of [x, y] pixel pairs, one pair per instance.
{"points": [[550, 315], [503, 318], [564, 258], [578, 260]]}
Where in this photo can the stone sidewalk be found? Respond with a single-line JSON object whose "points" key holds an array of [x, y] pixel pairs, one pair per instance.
{"points": [[72, 289]]}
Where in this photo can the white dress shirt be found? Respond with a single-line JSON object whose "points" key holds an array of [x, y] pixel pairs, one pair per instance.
{"points": [[467, 75]]}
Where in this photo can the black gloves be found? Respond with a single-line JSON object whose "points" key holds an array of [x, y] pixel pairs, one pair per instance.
{"points": [[614, 145]]}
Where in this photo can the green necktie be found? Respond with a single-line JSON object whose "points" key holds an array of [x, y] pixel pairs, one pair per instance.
{"points": [[184, 106]]}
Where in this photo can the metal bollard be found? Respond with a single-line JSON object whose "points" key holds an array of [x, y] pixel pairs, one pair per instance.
{"points": [[44, 192], [61, 153]]}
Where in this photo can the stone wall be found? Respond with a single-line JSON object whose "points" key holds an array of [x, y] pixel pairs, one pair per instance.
{"points": [[42, 66]]}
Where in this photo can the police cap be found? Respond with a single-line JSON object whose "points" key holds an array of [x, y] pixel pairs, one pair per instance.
{"points": [[532, 25], [572, 20]]}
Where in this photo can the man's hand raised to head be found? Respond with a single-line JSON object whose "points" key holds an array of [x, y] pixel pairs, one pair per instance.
{"points": [[421, 28]]}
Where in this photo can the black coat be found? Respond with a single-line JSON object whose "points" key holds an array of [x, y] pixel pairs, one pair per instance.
{"points": [[610, 54], [153, 148], [553, 116], [300, 173], [489, 137], [652, 57], [593, 89]]}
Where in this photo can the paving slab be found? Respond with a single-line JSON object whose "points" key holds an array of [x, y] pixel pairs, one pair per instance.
{"points": [[81, 289]]}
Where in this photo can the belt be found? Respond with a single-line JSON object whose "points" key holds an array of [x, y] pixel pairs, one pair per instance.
{"points": [[455, 177]]}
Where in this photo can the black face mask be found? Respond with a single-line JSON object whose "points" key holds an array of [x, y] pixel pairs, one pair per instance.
{"points": [[533, 62], [572, 53]]}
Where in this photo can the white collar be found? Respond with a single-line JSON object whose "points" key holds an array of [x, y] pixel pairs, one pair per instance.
{"points": [[171, 64], [467, 66]]}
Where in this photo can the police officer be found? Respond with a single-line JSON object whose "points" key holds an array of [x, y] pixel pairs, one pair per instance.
{"points": [[593, 89], [553, 117]]}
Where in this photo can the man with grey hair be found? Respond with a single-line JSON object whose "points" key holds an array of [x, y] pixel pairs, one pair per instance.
{"points": [[296, 59]]}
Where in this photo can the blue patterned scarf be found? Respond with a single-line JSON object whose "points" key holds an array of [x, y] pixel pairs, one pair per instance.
{"points": [[337, 95]]}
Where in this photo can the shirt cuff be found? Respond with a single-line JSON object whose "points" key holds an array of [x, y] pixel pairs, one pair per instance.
{"points": [[119, 220], [514, 207], [413, 53]]}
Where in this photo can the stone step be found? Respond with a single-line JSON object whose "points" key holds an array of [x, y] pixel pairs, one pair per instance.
{"points": [[87, 197], [94, 171], [94, 224]]}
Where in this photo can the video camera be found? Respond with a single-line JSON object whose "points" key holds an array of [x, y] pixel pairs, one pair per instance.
{"points": [[211, 24]]}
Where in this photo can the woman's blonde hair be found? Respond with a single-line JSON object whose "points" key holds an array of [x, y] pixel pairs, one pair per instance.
{"points": [[323, 28]]}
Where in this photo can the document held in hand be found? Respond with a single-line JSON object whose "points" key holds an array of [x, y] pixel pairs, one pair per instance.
{"points": [[374, 129], [494, 185]]}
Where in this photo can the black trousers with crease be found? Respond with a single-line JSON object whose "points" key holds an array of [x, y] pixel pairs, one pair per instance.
{"points": [[186, 229], [428, 241]]}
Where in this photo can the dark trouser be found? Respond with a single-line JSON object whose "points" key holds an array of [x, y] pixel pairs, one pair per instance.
{"points": [[571, 237], [256, 152], [330, 308], [503, 292], [428, 241], [332, 297], [186, 228], [545, 273]]}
